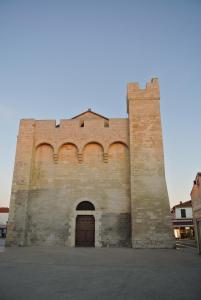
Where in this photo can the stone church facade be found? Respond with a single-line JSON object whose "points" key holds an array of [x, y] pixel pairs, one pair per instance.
{"points": [[93, 181]]}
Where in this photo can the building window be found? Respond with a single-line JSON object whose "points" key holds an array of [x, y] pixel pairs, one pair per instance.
{"points": [[81, 123], [183, 213], [106, 124], [85, 205]]}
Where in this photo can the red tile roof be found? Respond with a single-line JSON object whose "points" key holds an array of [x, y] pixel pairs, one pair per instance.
{"points": [[183, 204], [4, 209]]}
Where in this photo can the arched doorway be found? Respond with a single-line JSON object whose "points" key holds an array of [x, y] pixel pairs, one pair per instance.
{"points": [[85, 226]]}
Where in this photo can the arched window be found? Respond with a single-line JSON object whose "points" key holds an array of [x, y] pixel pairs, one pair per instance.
{"points": [[85, 205]]}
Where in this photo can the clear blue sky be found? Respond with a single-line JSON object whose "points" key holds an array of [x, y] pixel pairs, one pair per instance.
{"points": [[58, 58]]}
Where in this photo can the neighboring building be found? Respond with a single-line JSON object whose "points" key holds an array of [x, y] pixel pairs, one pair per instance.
{"points": [[196, 203], [93, 181], [3, 221], [182, 219]]}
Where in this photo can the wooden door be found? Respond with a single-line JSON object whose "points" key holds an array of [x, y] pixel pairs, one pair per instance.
{"points": [[85, 231]]}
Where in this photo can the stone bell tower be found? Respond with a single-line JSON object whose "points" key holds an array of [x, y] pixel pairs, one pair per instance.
{"points": [[150, 211]]}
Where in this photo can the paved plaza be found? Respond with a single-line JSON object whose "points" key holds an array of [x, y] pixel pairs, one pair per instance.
{"points": [[99, 274]]}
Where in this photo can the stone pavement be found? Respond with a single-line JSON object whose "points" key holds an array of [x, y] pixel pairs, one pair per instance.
{"points": [[99, 274]]}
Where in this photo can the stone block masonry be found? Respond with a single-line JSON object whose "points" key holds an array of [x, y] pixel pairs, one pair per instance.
{"points": [[150, 211], [113, 165]]}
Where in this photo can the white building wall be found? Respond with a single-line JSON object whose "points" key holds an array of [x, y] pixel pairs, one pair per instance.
{"points": [[189, 213], [3, 218]]}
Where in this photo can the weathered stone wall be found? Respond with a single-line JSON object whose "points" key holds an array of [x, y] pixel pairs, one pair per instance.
{"points": [[196, 196], [16, 231], [116, 230], [116, 164], [196, 206], [71, 164], [150, 211]]}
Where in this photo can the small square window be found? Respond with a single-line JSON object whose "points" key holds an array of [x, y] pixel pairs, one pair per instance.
{"points": [[106, 124], [183, 213], [81, 123]]}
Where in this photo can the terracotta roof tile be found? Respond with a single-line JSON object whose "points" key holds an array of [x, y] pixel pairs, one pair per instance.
{"points": [[183, 204], [4, 209]]}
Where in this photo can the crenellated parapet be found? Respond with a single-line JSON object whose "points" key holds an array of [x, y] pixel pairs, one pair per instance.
{"points": [[151, 91], [116, 164], [151, 223]]}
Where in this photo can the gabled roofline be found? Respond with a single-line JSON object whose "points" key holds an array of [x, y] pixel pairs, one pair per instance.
{"points": [[89, 110], [182, 204]]}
